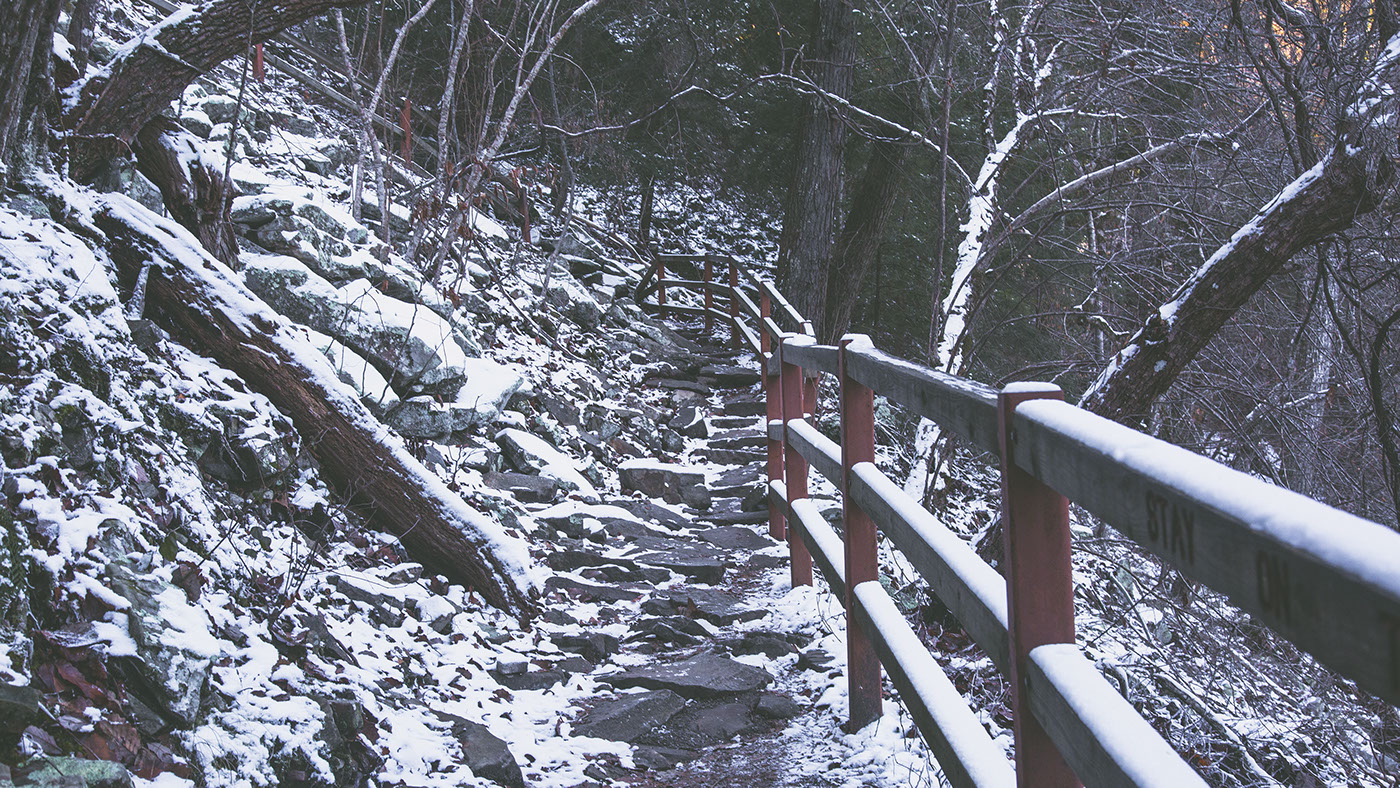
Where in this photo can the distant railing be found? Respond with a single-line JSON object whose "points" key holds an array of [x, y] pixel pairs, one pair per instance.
{"points": [[1325, 580]]}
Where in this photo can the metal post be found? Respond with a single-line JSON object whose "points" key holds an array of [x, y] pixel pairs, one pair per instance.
{"points": [[858, 446], [709, 294], [660, 286], [733, 302], [774, 395], [795, 463], [1039, 589]]}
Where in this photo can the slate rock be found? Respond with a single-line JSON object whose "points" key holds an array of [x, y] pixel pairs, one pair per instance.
{"points": [[690, 422], [702, 676], [678, 630], [715, 606], [738, 518], [704, 727], [661, 758], [776, 706], [721, 456], [65, 772], [734, 537], [653, 513], [535, 680], [671, 482], [487, 756], [735, 422], [631, 716], [744, 440], [592, 593], [746, 407], [574, 665], [20, 707], [814, 659], [527, 488], [766, 561], [681, 385], [595, 647], [701, 562], [731, 376]]}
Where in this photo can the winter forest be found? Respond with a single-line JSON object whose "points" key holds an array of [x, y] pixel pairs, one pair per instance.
{"points": [[565, 393]]}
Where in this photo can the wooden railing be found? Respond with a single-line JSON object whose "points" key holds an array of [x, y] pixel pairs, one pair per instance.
{"points": [[1325, 580]]}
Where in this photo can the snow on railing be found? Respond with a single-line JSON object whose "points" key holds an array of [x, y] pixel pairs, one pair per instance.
{"points": [[1327, 581]]}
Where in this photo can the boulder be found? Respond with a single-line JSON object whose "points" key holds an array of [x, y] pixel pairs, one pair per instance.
{"points": [[690, 422], [527, 488], [174, 651], [415, 348], [700, 677], [527, 452], [630, 717], [671, 482], [486, 755], [731, 377], [574, 303], [480, 400]]}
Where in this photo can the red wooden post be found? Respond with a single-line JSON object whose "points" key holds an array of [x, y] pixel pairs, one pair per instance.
{"points": [[1040, 592], [733, 302], [774, 394], [259, 67], [794, 462], [660, 288], [857, 446], [709, 294]]}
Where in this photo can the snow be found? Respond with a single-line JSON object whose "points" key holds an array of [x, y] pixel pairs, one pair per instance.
{"points": [[1126, 738], [1360, 548], [985, 761], [555, 464]]}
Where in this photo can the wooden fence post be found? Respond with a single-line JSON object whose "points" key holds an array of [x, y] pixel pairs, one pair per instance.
{"points": [[794, 463], [1039, 588], [774, 395], [660, 287], [857, 446], [709, 294], [733, 302]]}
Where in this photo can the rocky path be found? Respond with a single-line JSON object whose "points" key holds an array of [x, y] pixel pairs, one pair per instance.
{"points": [[666, 599]]}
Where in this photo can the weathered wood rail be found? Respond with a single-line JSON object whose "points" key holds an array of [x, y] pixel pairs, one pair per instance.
{"points": [[1325, 580]]}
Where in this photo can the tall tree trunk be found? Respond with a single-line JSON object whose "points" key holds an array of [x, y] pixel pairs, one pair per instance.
{"points": [[644, 214], [80, 31], [814, 196], [872, 206], [26, 47]]}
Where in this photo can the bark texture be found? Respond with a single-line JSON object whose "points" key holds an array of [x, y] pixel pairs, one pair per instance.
{"points": [[873, 204], [26, 47], [1324, 201], [194, 190], [813, 200], [198, 301], [121, 99]]}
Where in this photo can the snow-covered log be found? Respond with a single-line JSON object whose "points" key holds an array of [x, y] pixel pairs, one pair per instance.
{"points": [[152, 71], [201, 302]]}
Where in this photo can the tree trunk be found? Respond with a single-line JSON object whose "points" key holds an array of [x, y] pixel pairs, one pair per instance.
{"points": [[193, 188], [201, 302], [80, 31], [813, 200], [26, 47], [119, 100], [872, 206], [1324, 200], [644, 214]]}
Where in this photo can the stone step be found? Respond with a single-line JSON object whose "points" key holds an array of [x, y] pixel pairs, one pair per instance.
{"points": [[735, 422], [737, 518], [729, 456], [745, 407], [731, 376]]}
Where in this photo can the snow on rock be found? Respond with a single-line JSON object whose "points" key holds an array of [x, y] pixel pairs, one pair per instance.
{"points": [[530, 453]]}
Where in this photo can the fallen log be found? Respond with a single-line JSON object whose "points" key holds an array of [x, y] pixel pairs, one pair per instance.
{"points": [[199, 300], [192, 187]]}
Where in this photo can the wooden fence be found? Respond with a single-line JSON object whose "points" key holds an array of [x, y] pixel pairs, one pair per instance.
{"points": [[1325, 580]]}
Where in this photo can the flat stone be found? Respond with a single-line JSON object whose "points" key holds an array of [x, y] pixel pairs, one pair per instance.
{"points": [[488, 757], [592, 646], [631, 716], [732, 377], [525, 487], [574, 665], [738, 518], [735, 422], [652, 513], [671, 629], [690, 422], [701, 562], [671, 482], [746, 407], [65, 772], [714, 725], [537, 680], [739, 439], [681, 385], [701, 676], [770, 644], [775, 706], [720, 456], [735, 537], [592, 593], [715, 606], [815, 659], [765, 561], [661, 758]]}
